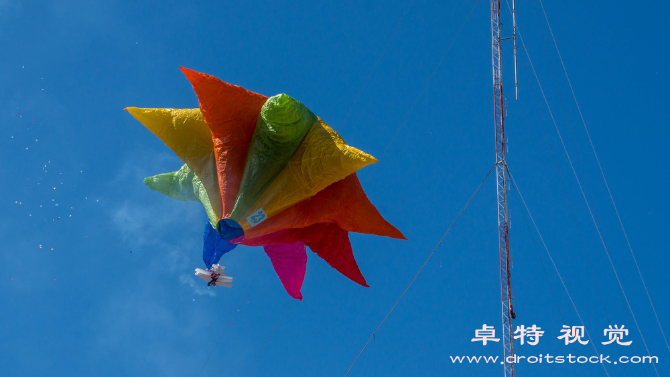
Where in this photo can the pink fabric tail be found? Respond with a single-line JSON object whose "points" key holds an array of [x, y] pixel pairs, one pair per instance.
{"points": [[290, 263]]}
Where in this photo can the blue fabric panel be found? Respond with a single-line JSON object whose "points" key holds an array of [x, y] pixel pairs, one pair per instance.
{"points": [[214, 246], [230, 229]]}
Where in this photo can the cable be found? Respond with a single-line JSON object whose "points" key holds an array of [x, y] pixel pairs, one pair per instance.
{"points": [[423, 90], [604, 179], [377, 63], [554, 264], [232, 316], [537, 251], [588, 188], [560, 175], [419, 272], [565, 113], [584, 195]]}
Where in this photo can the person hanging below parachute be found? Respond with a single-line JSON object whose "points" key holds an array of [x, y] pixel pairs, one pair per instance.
{"points": [[214, 276], [269, 173]]}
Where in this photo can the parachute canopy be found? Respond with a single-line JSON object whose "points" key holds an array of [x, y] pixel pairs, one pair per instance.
{"points": [[269, 173]]}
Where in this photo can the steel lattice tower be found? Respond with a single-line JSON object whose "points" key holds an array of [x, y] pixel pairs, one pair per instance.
{"points": [[502, 187]]}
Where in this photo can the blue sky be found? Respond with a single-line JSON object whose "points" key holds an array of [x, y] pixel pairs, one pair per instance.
{"points": [[96, 272]]}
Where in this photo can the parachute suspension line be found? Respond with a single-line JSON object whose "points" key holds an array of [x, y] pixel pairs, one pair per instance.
{"points": [[516, 188], [602, 173], [268, 339], [233, 315], [546, 275], [404, 121], [377, 62], [278, 322], [574, 218], [420, 270], [602, 240]]}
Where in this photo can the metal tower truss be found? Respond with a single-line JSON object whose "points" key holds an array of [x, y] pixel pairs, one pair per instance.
{"points": [[502, 187]]}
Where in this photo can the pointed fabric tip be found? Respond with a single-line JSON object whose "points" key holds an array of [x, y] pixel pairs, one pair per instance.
{"points": [[326, 240], [177, 185], [230, 112], [322, 158], [290, 263], [186, 133], [343, 202], [220, 101], [184, 185], [333, 245]]}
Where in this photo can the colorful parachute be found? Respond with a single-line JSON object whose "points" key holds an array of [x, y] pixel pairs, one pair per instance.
{"points": [[269, 173]]}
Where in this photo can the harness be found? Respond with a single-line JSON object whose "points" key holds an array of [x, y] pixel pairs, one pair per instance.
{"points": [[214, 277]]}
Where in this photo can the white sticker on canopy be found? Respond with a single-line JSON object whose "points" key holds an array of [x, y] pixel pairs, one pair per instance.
{"points": [[257, 217]]}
